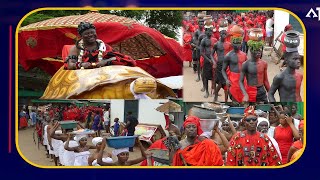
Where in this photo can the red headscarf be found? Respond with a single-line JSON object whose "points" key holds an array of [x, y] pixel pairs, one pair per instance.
{"points": [[249, 111], [193, 120], [289, 26]]}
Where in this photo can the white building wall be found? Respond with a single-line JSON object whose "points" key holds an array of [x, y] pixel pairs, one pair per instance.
{"points": [[117, 110], [149, 114], [281, 19]]}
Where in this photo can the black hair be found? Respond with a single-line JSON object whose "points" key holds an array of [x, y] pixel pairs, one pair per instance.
{"points": [[84, 26]]}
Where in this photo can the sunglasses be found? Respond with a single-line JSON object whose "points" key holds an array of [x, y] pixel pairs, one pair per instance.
{"points": [[251, 119]]}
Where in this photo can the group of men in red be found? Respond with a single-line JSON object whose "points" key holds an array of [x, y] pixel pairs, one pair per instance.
{"points": [[217, 44]]}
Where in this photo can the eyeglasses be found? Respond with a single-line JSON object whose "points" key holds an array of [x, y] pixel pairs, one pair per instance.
{"points": [[251, 119]]}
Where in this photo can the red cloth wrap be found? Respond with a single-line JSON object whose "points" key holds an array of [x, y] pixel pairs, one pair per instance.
{"points": [[204, 153], [193, 120], [234, 89]]}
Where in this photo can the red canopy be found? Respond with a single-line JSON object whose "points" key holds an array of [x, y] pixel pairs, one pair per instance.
{"points": [[40, 45]]}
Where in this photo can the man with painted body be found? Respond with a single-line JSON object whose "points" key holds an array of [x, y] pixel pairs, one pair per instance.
{"points": [[234, 60], [196, 48], [222, 47], [209, 65], [255, 72], [288, 82]]}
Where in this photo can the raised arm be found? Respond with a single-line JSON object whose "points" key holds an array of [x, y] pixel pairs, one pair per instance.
{"points": [[100, 154], [295, 131], [143, 154], [66, 145], [242, 74], [79, 126], [233, 129], [54, 135], [223, 138]]}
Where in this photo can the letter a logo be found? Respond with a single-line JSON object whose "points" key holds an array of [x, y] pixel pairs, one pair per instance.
{"points": [[311, 12]]}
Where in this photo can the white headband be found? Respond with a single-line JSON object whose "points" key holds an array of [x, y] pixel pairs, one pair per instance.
{"points": [[261, 119], [79, 136], [96, 140], [115, 152]]}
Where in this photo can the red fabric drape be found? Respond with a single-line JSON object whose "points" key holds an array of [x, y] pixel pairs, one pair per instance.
{"points": [[35, 45]]}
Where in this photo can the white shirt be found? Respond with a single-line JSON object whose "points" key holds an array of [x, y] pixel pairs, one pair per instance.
{"points": [[269, 24]]}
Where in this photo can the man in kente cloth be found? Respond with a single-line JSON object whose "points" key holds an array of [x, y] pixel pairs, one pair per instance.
{"points": [[288, 82], [196, 150], [250, 147], [255, 72], [209, 65], [234, 60], [196, 47], [222, 47], [90, 52]]}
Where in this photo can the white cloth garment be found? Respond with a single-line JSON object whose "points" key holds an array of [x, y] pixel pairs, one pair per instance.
{"points": [[81, 158], [137, 96], [96, 140], [275, 144], [272, 140], [106, 160], [69, 156], [115, 152], [56, 146], [45, 136]]}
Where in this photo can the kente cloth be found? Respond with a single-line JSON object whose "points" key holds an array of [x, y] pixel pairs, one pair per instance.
{"points": [[284, 137], [187, 50], [296, 154], [297, 144], [256, 94], [193, 120], [69, 156], [81, 158], [106, 160], [251, 150], [203, 153], [23, 122], [156, 145]]}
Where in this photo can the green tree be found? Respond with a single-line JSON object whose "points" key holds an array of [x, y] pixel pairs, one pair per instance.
{"points": [[165, 21]]}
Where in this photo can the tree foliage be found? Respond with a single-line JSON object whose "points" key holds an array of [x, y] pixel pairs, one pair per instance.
{"points": [[165, 21]]}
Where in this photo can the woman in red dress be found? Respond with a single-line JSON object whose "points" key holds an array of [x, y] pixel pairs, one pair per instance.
{"points": [[187, 38], [285, 134]]}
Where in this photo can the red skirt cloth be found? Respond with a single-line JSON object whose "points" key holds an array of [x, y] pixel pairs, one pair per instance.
{"points": [[234, 89], [204, 153], [23, 122]]}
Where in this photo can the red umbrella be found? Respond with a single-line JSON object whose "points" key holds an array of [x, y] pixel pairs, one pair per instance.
{"points": [[40, 44]]}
